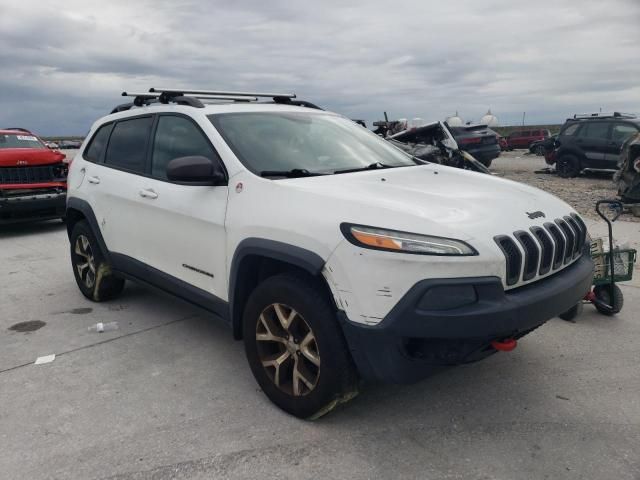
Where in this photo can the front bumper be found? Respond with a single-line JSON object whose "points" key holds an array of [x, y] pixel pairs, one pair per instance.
{"points": [[442, 322], [33, 206]]}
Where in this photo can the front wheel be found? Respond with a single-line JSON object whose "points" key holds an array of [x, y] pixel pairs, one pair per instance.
{"points": [[295, 347]]}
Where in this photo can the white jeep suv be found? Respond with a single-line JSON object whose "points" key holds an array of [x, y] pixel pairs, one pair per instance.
{"points": [[334, 255]]}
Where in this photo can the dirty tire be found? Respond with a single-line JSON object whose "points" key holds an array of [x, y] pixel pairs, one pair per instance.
{"points": [[568, 166], [572, 313], [611, 295], [540, 150], [486, 163], [306, 312], [90, 269]]}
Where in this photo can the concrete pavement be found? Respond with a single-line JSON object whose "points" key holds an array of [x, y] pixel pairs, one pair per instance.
{"points": [[170, 395]]}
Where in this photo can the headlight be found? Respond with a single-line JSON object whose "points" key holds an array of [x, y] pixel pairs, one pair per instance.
{"points": [[394, 241]]}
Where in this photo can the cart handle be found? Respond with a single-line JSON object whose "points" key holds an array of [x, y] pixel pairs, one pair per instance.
{"points": [[613, 205]]}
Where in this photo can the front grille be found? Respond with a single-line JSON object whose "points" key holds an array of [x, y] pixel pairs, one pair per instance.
{"points": [[542, 249], [35, 174]]}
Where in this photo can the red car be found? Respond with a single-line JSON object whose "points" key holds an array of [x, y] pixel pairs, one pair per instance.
{"points": [[33, 178], [503, 143], [524, 138]]}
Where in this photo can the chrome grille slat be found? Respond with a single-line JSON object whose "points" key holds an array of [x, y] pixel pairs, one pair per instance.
{"points": [[571, 239], [532, 254], [546, 247]]}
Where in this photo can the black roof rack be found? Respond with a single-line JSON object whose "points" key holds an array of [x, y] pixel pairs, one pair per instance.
{"points": [[595, 116], [196, 98]]}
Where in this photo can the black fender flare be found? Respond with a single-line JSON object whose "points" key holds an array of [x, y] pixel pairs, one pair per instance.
{"points": [[83, 207], [299, 257]]}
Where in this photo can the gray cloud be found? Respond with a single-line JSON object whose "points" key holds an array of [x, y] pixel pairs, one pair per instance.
{"points": [[64, 64]]}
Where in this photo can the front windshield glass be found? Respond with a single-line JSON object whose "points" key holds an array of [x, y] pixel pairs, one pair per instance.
{"points": [[315, 142], [10, 140]]}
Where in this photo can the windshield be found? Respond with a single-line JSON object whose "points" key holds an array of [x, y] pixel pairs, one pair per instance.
{"points": [[10, 140], [310, 142]]}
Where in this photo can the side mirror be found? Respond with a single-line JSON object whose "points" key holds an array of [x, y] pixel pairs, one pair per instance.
{"points": [[196, 170]]}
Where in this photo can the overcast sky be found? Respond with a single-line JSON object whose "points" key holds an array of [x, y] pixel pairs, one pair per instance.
{"points": [[65, 63]]}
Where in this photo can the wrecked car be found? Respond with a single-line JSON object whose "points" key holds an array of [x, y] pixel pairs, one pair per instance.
{"points": [[434, 143], [478, 140], [628, 175]]}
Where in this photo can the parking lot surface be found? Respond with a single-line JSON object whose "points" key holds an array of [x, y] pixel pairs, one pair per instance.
{"points": [[169, 394]]}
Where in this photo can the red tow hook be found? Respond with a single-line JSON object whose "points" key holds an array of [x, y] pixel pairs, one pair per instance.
{"points": [[505, 345]]}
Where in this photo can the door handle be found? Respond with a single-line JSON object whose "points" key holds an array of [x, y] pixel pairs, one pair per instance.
{"points": [[94, 180], [148, 193]]}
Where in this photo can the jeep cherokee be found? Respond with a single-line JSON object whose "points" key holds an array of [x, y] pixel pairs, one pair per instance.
{"points": [[334, 255], [33, 178]]}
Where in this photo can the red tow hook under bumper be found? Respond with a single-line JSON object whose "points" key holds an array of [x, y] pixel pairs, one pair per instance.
{"points": [[505, 345]]}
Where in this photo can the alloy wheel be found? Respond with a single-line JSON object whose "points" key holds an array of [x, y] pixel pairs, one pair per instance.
{"points": [[288, 350], [85, 262]]}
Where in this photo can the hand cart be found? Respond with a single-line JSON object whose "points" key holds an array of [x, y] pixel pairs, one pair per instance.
{"points": [[614, 265]]}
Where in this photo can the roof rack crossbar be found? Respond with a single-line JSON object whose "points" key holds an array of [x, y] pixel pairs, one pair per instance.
{"points": [[221, 93], [199, 97], [578, 116]]}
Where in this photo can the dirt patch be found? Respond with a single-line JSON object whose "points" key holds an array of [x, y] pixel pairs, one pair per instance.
{"points": [[30, 326]]}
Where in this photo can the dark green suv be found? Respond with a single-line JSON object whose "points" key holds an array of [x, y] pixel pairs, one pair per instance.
{"points": [[593, 142]]}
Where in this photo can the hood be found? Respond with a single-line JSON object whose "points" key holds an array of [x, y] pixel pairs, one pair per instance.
{"points": [[16, 157], [432, 199]]}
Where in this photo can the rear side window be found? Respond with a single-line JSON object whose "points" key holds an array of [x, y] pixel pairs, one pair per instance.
{"points": [[177, 137], [595, 130], [98, 143], [525, 133], [622, 131], [571, 129], [128, 144]]}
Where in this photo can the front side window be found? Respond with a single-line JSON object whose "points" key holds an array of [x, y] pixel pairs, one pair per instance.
{"points": [[128, 144], [20, 140], [177, 137], [315, 142]]}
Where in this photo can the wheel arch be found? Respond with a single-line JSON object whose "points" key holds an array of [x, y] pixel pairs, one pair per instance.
{"points": [[78, 210], [256, 259]]}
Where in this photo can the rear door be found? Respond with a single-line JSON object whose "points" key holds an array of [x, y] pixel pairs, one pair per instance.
{"points": [[115, 183], [592, 140], [184, 233]]}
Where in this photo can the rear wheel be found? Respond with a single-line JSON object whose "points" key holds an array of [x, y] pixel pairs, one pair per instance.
{"points": [[486, 163], [295, 347], [92, 272], [540, 150], [568, 166]]}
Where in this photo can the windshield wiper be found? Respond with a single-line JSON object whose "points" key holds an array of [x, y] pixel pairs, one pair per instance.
{"points": [[293, 173], [371, 166]]}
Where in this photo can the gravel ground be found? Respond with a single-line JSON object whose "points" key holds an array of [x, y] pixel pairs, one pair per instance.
{"points": [[582, 192]]}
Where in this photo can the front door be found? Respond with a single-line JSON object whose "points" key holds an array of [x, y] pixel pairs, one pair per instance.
{"points": [[184, 234]]}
